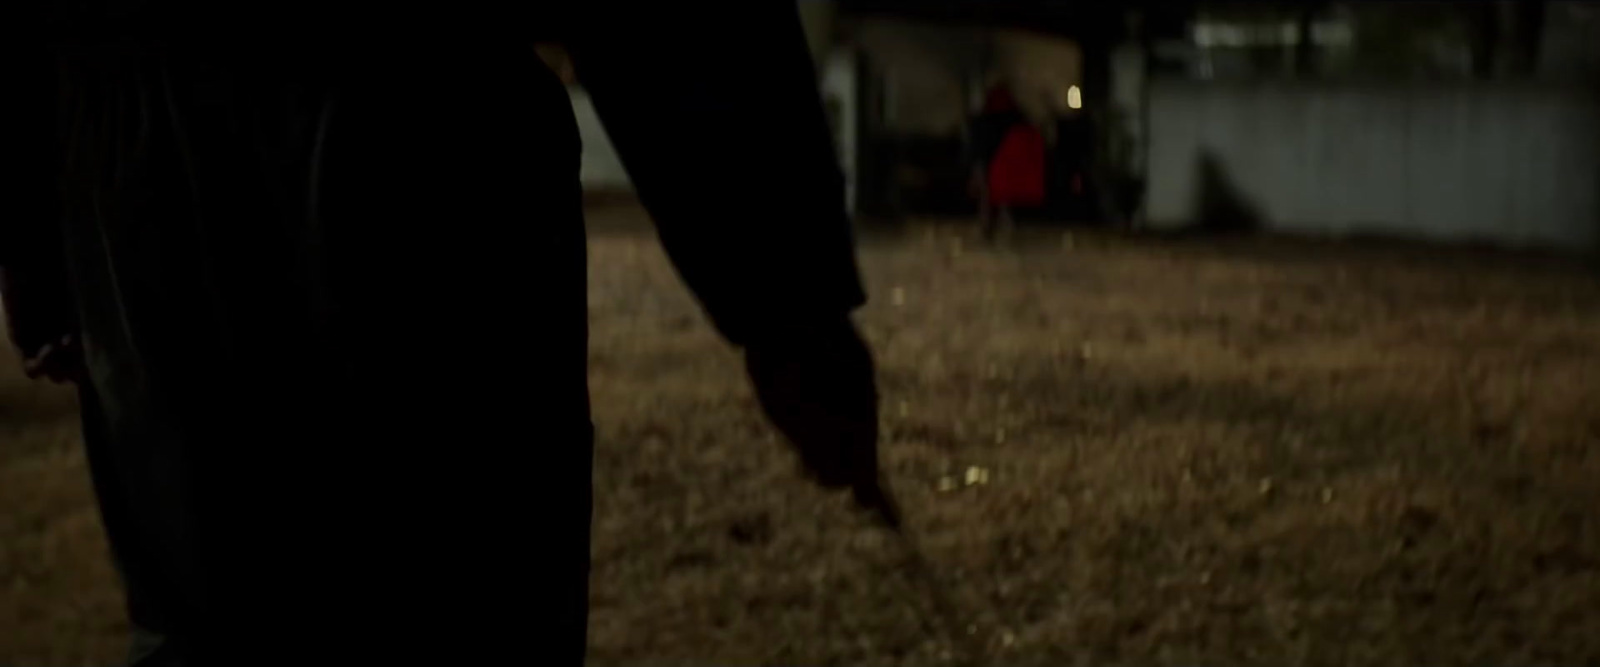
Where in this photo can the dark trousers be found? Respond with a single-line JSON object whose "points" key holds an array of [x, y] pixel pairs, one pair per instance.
{"points": [[334, 311], [138, 568]]}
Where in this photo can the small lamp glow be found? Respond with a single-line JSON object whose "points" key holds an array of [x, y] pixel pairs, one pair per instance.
{"points": [[1074, 98]]}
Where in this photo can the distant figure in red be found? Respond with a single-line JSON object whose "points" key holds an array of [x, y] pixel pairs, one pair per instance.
{"points": [[1008, 155]]}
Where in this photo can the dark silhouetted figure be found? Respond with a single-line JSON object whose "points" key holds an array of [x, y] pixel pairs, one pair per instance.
{"points": [[329, 271], [1008, 157], [42, 322]]}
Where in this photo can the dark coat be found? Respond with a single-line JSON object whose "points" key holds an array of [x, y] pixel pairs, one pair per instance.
{"points": [[332, 291]]}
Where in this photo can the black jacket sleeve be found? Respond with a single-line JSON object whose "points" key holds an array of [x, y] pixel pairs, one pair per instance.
{"points": [[715, 113], [38, 295]]}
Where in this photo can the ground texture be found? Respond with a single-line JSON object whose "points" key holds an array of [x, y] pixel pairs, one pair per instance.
{"points": [[1110, 450]]}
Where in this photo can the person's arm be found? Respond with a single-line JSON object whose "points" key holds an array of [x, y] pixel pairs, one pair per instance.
{"points": [[715, 113], [34, 284]]}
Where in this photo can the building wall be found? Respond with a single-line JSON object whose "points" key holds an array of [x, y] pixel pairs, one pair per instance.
{"points": [[1040, 68], [935, 75], [1571, 46], [602, 169], [839, 95], [1516, 164], [923, 71]]}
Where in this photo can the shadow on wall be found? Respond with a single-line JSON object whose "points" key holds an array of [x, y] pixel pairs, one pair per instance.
{"points": [[1222, 208]]}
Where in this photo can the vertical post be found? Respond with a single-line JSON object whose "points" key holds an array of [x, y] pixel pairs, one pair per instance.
{"points": [[840, 90], [1483, 20], [1526, 34], [1305, 49], [1098, 102]]}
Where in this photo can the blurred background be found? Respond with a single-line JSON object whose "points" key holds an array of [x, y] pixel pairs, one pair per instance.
{"points": [[1295, 360], [1456, 121]]}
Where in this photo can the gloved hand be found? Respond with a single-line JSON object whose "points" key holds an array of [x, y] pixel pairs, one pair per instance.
{"points": [[816, 384], [60, 361], [40, 326]]}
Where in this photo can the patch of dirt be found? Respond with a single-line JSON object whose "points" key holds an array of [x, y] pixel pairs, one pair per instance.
{"points": [[1240, 452]]}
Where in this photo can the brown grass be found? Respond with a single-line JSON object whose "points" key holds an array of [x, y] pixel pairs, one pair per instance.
{"points": [[1244, 452]]}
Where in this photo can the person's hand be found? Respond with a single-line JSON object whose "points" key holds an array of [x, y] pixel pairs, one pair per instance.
{"points": [[39, 324], [816, 385], [59, 361]]}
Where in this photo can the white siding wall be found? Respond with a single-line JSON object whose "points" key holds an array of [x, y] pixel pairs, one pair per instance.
{"points": [[602, 169], [1514, 164]]}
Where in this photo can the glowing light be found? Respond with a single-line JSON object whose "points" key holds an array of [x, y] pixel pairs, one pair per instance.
{"points": [[1074, 98]]}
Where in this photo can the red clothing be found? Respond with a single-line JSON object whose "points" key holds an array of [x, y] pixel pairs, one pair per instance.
{"points": [[1016, 174]]}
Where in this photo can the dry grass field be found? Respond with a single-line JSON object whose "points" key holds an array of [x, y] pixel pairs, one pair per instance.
{"points": [[1110, 450]]}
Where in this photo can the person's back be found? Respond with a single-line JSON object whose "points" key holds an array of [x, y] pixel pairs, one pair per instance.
{"points": [[335, 307], [347, 348]]}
